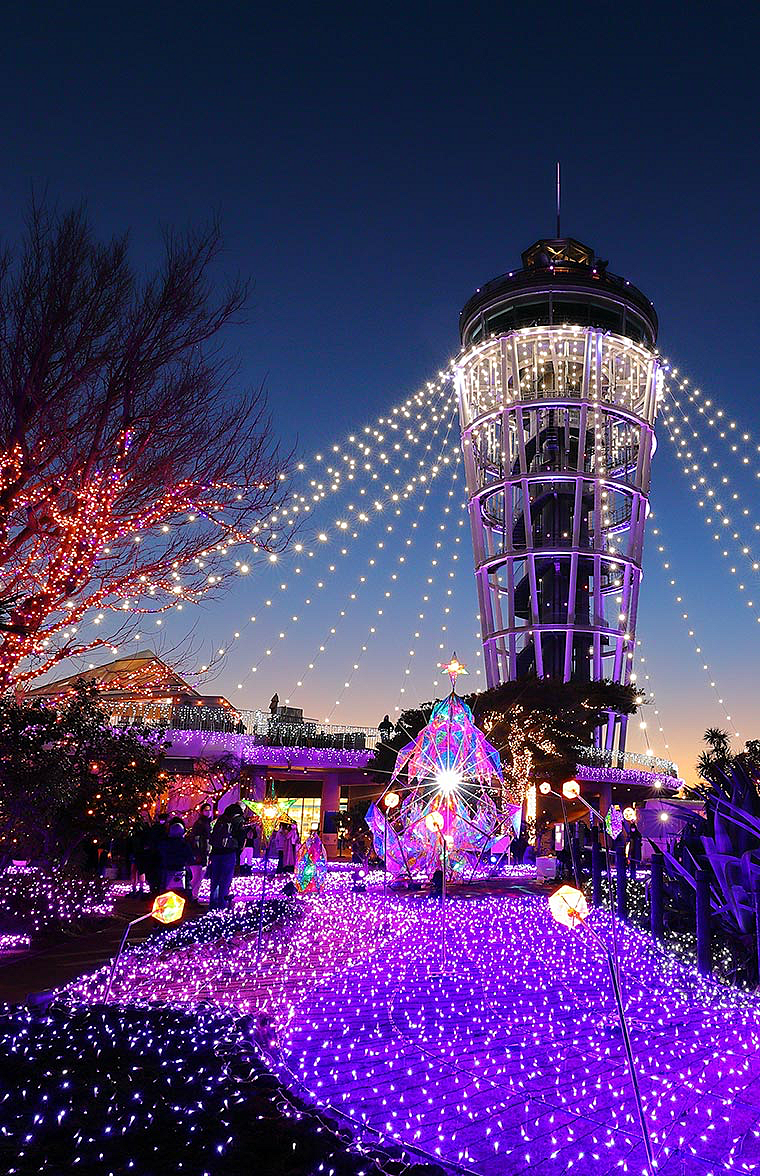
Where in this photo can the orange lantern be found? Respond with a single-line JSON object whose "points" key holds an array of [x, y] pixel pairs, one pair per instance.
{"points": [[434, 821], [568, 906], [629, 813], [391, 800], [168, 908], [571, 789], [544, 788]]}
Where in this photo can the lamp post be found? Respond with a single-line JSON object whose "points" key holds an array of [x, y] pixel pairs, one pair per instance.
{"points": [[167, 908], [572, 790], [569, 907], [391, 801], [546, 789], [434, 822]]}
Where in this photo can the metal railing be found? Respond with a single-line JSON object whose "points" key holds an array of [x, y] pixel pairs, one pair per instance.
{"points": [[264, 729], [598, 757]]}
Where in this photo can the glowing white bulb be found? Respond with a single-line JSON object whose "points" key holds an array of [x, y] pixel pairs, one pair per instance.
{"points": [[448, 780]]}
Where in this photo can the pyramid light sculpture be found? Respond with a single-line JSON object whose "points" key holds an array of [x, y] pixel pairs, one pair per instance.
{"points": [[448, 769]]}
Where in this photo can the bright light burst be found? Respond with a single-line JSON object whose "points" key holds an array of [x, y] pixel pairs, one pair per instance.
{"points": [[448, 780]]}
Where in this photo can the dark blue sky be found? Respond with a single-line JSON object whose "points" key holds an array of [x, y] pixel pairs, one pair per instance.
{"points": [[371, 166]]}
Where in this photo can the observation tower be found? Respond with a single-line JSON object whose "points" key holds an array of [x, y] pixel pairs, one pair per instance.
{"points": [[558, 386]]}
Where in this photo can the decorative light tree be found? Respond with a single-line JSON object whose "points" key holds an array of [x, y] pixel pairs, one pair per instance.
{"points": [[450, 769], [128, 473]]}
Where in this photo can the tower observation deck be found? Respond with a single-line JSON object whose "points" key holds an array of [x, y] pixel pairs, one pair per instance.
{"points": [[558, 386]]}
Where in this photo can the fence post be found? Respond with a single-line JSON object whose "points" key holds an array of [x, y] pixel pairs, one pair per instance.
{"points": [[622, 872], [704, 954], [575, 855], [656, 920], [596, 866]]}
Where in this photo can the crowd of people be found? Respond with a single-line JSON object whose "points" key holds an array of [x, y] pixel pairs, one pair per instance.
{"points": [[170, 852]]}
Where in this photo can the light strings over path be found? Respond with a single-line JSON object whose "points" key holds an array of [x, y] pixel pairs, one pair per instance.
{"points": [[381, 613], [400, 501], [684, 616], [435, 577], [435, 410], [433, 580], [393, 435], [708, 493], [643, 673]]}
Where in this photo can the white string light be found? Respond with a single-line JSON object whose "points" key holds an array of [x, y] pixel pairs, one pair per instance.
{"points": [[642, 674], [394, 494], [381, 612], [393, 422], [432, 579], [678, 598], [398, 502], [709, 498]]}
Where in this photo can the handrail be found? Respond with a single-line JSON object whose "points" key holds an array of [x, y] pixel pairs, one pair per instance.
{"points": [[264, 729], [599, 757]]}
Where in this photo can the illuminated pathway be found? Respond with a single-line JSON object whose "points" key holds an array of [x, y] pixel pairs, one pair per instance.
{"points": [[510, 1062]]}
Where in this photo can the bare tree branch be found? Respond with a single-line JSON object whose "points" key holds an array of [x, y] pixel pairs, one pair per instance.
{"points": [[133, 472]]}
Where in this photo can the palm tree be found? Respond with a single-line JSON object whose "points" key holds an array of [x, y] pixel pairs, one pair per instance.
{"points": [[718, 754]]}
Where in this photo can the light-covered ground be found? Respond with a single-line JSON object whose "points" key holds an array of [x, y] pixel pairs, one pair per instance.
{"points": [[507, 1058]]}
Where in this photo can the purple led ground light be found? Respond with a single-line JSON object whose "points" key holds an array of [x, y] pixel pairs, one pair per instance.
{"points": [[512, 1061]]}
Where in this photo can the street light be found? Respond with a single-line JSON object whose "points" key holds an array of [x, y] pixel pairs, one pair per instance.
{"points": [[572, 790], [545, 789], [167, 908], [434, 822], [569, 907]]}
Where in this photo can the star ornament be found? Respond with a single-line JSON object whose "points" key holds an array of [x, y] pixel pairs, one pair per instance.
{"points": [[453, 669]]}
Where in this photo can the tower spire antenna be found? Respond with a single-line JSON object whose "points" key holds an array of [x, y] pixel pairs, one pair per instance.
{"points": [[559, 194]]}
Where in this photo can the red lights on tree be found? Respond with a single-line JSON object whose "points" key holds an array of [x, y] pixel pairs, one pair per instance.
{"points": [[131, 470]]}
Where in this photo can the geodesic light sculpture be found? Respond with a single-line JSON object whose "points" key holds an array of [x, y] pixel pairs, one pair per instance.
{"points": [[446, 772]]}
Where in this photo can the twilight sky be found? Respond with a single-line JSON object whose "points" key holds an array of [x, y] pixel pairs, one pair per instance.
{"points": [[371, 167]]}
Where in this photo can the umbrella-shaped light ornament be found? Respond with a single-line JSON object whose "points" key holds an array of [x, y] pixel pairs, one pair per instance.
{"points": [[568, 906]]}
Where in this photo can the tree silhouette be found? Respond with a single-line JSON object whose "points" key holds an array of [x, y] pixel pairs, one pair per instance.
{"points": [[538, 725]]}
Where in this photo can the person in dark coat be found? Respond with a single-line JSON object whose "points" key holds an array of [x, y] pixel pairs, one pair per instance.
{"points": [[199, 840], [227, 840], [137, 853], [635, 841], [154, 839], [176, 856]]}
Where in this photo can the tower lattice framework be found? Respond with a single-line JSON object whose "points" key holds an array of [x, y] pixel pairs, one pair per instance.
{"points": [[557, 423]]}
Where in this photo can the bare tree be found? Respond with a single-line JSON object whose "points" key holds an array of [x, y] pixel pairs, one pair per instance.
{"points": [[134, 474]]}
